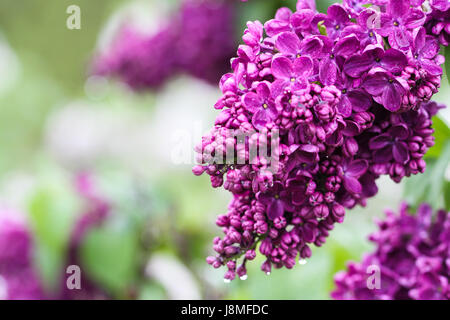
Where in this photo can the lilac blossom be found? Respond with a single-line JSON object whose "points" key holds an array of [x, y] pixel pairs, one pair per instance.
{"points": [[197, 40], [291, 76], [261, 103], [17, 272], [391, 60], [398, 20], [424, 51], [412, 255], [386, 89], [345, 108], [391, 145], [336, 20]]}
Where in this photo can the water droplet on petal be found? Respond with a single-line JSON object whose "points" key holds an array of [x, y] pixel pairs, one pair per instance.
{"points": [[226, 280], [302, 261], [244, 277], [268, 273]]}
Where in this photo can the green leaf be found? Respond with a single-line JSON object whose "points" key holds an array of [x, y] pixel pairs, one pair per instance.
{"points": [[429, 186], [437, 178], [415, 187], [447, 195], [109, 255], [52, 213], [441, 136]]}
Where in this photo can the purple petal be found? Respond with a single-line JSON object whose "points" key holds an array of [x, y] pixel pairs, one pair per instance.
{"points": [[345, 106], [369, 186], [274, 27], [357, 168], [415, 18], [400, 37], [400, 152], [306, 4], [302, 19], [431, 48], [327, 71], [282, 68], [288, 43], [260, 119], [263, 90], [394, 61], [355, 66], [441, 5], [392, 97], [278, 87], [351, 128], [307, 153], [352, 185], [275, 209], [338, 13], [385, 24], [271, 111], [312, 47], [430, 67], [283, 14], [398, 8], [359, 100], [265, 198], [252, 102], [303, 66], [347, 46], [419, 40], [399, 132], [376, 83], [380, 141], [383, 155]]}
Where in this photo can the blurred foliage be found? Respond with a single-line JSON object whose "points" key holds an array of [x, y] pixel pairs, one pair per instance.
{"points": [[52, 215]]}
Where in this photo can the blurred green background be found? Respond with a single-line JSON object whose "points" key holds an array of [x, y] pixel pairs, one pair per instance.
{"points": [[55, 122]]}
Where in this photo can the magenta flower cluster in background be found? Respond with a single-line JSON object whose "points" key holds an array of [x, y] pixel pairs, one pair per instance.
{"points": [[348, 92], [19, 277], [198, 40], [413, 256]]}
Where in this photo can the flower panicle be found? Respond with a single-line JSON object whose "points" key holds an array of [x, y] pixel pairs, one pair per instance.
{"points": [[345, 96]]}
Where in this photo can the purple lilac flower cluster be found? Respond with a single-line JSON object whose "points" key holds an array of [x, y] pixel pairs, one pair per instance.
{"points": [[18, 278], [412, 254], [199, 40], [347, 94]]}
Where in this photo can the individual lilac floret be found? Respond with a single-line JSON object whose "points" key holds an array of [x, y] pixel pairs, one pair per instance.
{"points": [[412, 256], [400, 18], [331, 102]]}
